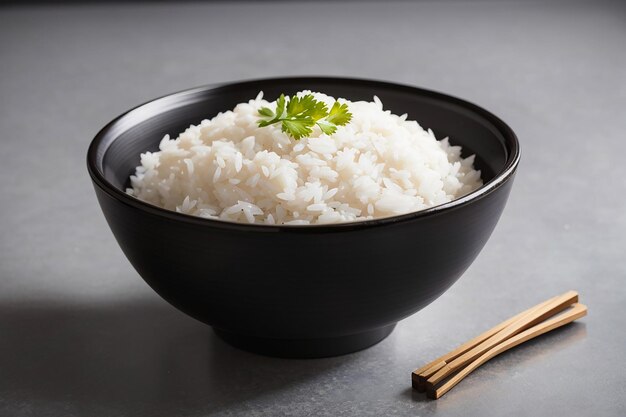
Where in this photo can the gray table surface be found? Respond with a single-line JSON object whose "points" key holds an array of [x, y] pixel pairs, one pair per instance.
{"points": [[82, 335]]}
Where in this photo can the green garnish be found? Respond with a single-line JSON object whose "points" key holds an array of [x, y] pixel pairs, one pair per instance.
{"points": [[298, 115]]}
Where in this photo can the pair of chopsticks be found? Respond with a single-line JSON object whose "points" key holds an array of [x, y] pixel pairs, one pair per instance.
{"points": [[440, 375]]}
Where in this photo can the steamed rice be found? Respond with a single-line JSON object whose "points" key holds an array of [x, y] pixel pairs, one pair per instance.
{"points": [[378, 165]]}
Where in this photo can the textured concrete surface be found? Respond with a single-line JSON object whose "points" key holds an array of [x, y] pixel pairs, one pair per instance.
{"points": [[82, 335]]}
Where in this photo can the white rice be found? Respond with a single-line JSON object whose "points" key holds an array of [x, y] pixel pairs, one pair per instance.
{"points": [[378, 165]]}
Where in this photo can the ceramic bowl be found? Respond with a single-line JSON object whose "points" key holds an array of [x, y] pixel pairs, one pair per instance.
{"points": [[302, 291]]}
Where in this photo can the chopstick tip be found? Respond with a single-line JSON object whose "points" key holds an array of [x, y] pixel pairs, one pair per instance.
{"points": [[432, 394]]}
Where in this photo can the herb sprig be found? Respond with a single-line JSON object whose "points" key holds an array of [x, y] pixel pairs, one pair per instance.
{"points": [[298, 115]]}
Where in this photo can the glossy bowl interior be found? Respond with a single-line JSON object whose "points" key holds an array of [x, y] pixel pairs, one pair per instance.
{"points": [[302, 291]]}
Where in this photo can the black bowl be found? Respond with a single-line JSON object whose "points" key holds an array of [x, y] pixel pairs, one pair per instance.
{"points": [[302, 291]]}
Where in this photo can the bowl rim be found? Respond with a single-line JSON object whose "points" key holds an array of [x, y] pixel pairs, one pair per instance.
{"points": [[499, 179]]}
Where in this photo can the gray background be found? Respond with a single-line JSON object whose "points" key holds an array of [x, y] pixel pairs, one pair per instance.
{"points": [[82, 335]]}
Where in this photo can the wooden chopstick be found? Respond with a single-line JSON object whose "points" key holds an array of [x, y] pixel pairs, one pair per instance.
{"points": [[526, 321], [419, 376], [577, 311]]}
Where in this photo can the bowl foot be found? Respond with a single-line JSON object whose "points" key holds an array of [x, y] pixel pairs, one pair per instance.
{"points": [[306, 348]]}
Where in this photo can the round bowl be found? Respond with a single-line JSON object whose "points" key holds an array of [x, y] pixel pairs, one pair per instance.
{"points": [[302, 291]]}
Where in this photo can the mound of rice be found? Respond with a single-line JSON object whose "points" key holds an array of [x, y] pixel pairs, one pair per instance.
{"points": [[378, 165]]}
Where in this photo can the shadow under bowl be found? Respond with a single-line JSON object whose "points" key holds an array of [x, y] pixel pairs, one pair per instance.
{"points": [[302, 291]]}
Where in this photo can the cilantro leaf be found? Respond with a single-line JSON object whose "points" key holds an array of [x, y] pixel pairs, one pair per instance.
{"points": [[297, 128], [266, 111], [280, 106], [298, 105], [339, 114], [328, 128], [318, 110], [298, 115]]}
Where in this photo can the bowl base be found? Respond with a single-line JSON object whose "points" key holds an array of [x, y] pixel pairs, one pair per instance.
{"points": [[306, 348]]}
